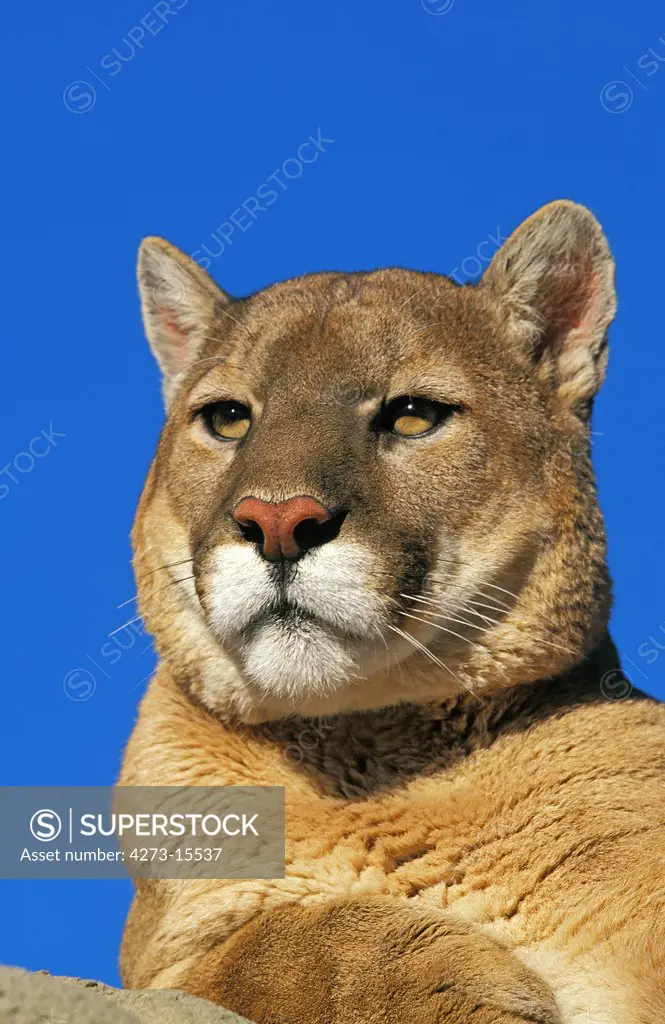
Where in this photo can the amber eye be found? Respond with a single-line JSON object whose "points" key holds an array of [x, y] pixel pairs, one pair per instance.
{"points": [[412, 417], [229, 421]]}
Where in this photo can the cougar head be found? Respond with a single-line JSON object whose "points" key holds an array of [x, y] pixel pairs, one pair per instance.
{"points": [[376, 487]]}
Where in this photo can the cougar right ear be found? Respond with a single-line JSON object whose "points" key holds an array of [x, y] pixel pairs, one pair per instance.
{"points": [[554, 280], [178, 300]]}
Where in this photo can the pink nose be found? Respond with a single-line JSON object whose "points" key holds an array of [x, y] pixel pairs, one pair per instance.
{"points": [[283, 529]]}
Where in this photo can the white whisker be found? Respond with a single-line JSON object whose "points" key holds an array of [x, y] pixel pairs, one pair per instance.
{"points": [[448, 581], [472, 611], [439, 614], [490, 607], [137, 618], [443, 629], [502, 589], [432, 657]]}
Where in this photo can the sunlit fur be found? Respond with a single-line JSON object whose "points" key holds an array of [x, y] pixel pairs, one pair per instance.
{"points": [[475, 828]]}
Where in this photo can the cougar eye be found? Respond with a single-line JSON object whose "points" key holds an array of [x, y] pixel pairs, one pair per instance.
{"points": [[411, 417], [228, 420]]}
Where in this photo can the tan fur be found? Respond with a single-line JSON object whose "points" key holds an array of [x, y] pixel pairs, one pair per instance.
{"points": [[474, 837]]}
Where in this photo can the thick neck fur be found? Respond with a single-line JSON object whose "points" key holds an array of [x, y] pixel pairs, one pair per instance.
{"points": [[351, 755], [356, 754]]}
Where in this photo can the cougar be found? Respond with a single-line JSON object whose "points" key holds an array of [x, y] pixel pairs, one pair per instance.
{"points": [[372, 558]]}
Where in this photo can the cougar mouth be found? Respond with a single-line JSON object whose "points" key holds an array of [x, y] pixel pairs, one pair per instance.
{"points": [[292, 618], [284, 612], [294, 627]]}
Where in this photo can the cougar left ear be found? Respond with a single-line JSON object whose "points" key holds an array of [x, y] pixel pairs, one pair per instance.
{"points": [[178, 301], [554, 282]]}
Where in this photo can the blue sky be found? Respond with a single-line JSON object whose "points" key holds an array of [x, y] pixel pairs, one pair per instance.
{"points": [[447, 123]]}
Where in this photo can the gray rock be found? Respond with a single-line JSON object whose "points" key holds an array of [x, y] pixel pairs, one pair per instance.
{"points": [[43, 999]]}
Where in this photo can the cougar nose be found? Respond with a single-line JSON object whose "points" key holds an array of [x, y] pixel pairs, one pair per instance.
{"points": [[285, 529]]}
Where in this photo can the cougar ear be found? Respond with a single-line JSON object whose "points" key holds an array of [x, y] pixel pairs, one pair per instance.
{"points": [[554, 281], [178, 301]]}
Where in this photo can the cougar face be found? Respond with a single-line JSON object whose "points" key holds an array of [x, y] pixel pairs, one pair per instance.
{"points": [[375, 487]]}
